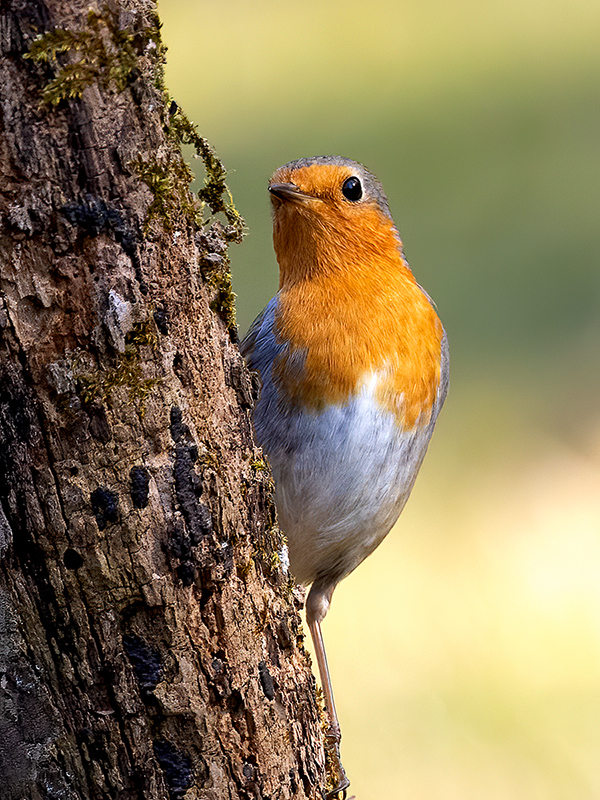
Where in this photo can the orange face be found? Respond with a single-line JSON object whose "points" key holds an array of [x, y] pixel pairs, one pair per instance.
{"points": [[315, 225], [348, 299]]}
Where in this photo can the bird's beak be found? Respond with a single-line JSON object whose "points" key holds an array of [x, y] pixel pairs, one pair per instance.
{"points": [[288, 192]]}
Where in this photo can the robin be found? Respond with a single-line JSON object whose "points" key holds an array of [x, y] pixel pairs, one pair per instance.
{"points": [[353, 362]]}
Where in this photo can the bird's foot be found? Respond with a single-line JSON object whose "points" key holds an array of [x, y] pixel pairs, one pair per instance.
{"points": [[338, 776]]}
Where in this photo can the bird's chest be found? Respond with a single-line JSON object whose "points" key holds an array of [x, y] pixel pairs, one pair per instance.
{"points": [[335, 342]]}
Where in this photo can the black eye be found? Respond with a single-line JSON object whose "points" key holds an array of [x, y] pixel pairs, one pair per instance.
{"points": [[351, 189]]}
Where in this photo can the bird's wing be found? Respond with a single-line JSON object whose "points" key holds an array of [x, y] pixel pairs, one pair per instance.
{"points": [[261, 327], [248, 342]]}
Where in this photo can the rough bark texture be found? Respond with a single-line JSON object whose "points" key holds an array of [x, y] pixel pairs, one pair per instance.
{"points": [[149, 642]]}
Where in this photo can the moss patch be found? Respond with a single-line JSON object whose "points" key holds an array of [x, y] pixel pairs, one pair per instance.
{"points": [[169, 177], [214, 193], [223, 302], [127, 372], [104, 53]]}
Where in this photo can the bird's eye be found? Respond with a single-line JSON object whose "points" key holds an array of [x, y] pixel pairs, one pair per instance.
{"points": [[352, 189]]}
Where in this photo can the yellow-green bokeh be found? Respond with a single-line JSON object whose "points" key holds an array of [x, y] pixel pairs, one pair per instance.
{"points": [[466, 650]]}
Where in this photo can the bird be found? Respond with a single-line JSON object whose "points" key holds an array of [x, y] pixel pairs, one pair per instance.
{"points": [[353, 366]]}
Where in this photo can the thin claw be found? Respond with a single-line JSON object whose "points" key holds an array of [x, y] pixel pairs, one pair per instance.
{"points": [[342, 784], [343, 796]]}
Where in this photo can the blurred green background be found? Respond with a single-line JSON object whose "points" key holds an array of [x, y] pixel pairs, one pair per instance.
{"points": [[466, 651]]}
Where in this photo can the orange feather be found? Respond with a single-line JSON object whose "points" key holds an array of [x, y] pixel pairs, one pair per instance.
{"points": [[350, 302]]}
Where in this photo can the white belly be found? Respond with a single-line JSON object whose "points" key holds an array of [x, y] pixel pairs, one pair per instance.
{"points": [[342, 477]]}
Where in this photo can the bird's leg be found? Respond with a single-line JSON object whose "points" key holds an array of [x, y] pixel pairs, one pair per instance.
{"points": [[317, 605]]}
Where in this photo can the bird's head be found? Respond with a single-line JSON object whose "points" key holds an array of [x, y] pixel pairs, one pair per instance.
{"points": [[329, 213]]}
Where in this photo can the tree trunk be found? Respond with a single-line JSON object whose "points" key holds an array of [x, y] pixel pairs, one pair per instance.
{"points": [[150, 643]]}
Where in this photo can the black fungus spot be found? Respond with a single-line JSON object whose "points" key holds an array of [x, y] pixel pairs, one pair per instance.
{"points": [[72, 559], [176, 766], [105, 506], [161, 318], [197, 520], [178, 428], [266, 681], [220, 682], [146, 661], [94, 216], [186, 572], [139, 479], [179, 542], [188, 488]]}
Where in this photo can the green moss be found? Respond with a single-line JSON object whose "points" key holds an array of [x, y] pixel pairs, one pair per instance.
{"points": [[127, 372], [104, 54], [262, 474], [274, 562], [223, 303], [288, 589], [168, 177], [266, 550], [143, 333], [259, 465], [214, 192], [210, 460]]}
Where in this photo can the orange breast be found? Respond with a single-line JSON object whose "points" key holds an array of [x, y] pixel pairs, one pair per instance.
{"points": [[360, 313]]}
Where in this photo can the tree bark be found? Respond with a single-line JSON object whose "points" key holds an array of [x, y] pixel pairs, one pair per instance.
{"points": [[150, 643]]}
